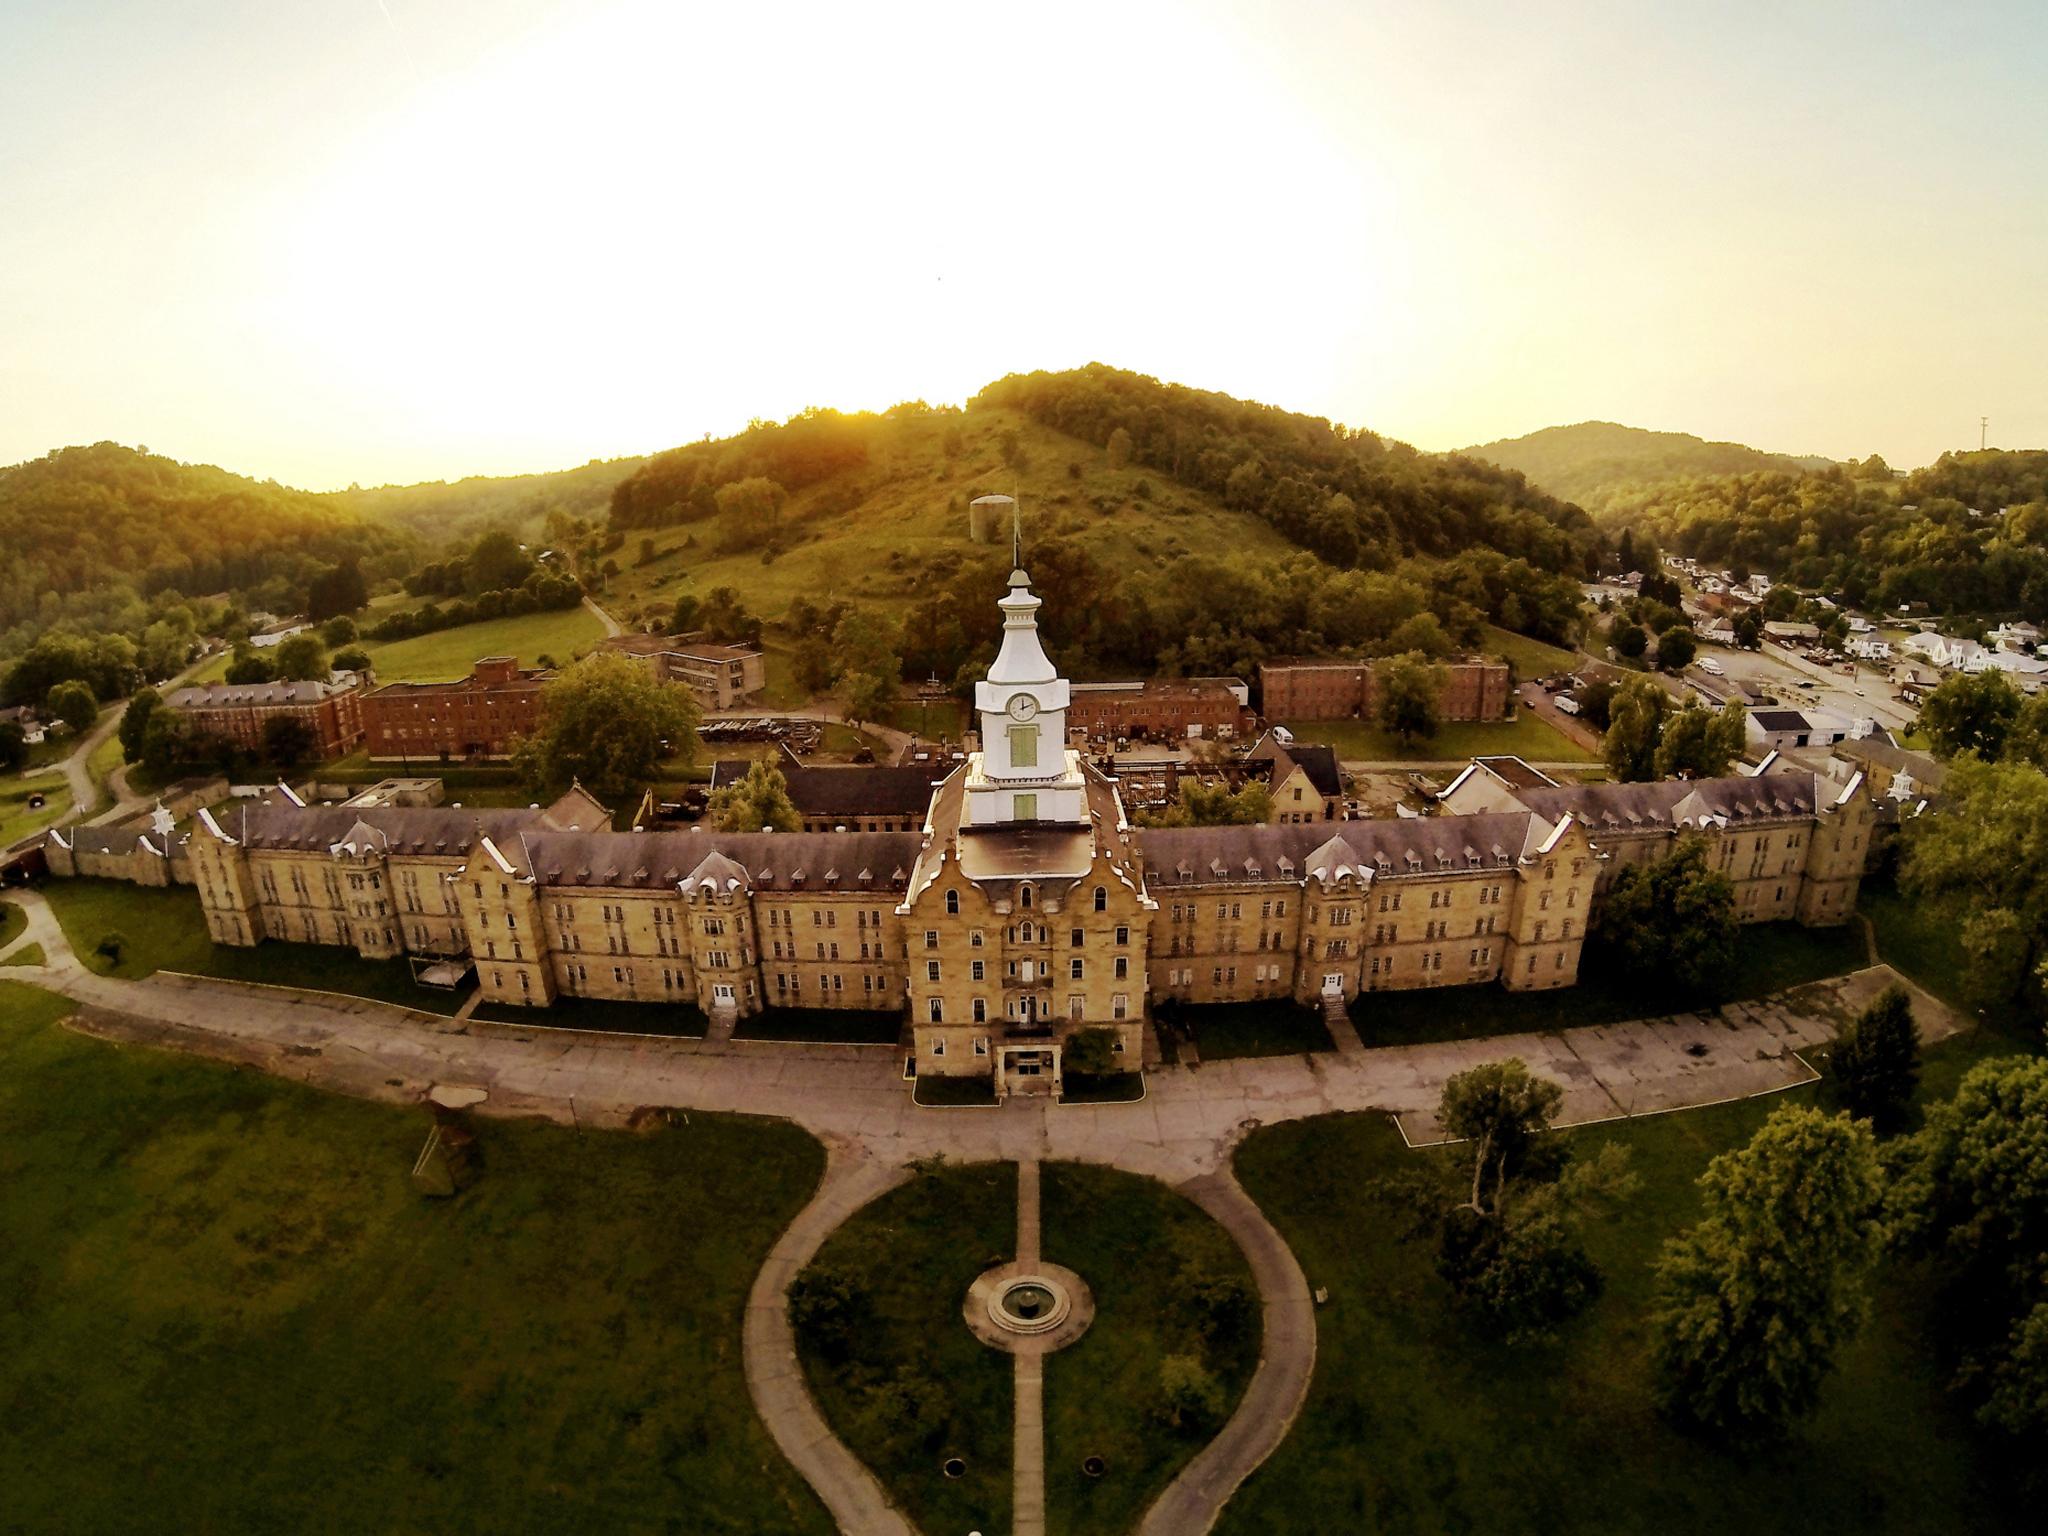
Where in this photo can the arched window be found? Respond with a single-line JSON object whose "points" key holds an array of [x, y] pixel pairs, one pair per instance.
{"points": [[1101, 899], [953, 902], [1027, 895]]}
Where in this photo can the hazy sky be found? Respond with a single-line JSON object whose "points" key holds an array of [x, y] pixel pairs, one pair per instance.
{"points": [[335, 240]]}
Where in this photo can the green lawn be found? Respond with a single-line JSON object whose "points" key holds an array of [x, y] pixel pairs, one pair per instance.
{"points": [[17, 821], [447, 654], [1531, 658], [228, 1309], [1922, 938], [1273, 1028], [1527, 736], [164, 931], [915, 1387], [12, 921], [935, 1092], [602, 1015], [823, 1026], [101, 762], [1108, 1088], [1770, 958], [1149, 1256], [30, 955], [1414, 1424]]}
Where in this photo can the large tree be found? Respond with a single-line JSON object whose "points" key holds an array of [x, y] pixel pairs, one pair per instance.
{"points": [[1755, 1298], [1699, 741], [1213, 803], [1970, 1189], [1876, 1062], [73, 702], [135, 722], [608, 723], [1635, 716], [13, 746], [1672, 922], [1970, 712], [287, 741], [1676, 647], [1988, 853], [301, 658], [1410, 696], [758, 802]]}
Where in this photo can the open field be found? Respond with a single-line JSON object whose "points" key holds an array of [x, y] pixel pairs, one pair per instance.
{"points": [[1525, 736], [1275, 1027], [448, 654], [913, 1386], [1771, 957], [17, 820], [1415, 1424], [1530, 658], [229, 1310], [1150, 1257]]}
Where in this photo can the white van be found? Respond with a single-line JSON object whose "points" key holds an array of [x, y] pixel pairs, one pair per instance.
{"points": [[1567, 705], [1710, 666]]}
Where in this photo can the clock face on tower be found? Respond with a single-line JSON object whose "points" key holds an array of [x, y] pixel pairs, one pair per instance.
{"points": [[1023, 707]]}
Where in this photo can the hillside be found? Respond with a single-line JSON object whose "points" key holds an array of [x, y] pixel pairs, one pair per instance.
{"points": [[1597, 462], [1167, 528], [108, 536], [445, 510]]}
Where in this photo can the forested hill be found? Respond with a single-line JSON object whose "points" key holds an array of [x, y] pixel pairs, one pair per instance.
{"points": [[1597, 463], [460, 510], [102, 535], [1967, 535]]}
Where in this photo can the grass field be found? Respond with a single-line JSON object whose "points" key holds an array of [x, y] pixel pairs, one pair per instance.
{"points": [[1147, 1254], [164, 930], [1922, 938], [228, 1310], [1527, 735], [12, 921], [1272, 1028], [1530, 658], [915, 1386], [101, 762], [448, 654], [17, 820], [1771, 957], [823, 1026], [29, 955], [603, 1016], [1414, 1424]]}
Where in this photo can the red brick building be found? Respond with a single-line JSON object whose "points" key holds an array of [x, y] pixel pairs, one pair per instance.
{"points": [[477, 717], [1167, 709], [1474, 689], [330, 709]]}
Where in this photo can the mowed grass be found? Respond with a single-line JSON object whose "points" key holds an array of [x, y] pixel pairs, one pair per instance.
{"points": [[12, 921], [1415, 1424], [1527, 736], [228, 1309], [1531, 658], [448, 654], [1145, 1252], [1272, 1027], [164, 930], [916, 1387], [17, 820], [1770, 958]]}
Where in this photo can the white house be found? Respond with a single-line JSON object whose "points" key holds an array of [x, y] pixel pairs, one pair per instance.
{"points": [[2021, 636], [1870, 648], [1942, 650]]}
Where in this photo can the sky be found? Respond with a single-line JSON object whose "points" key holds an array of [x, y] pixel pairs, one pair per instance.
{"points": [[380, 241]]}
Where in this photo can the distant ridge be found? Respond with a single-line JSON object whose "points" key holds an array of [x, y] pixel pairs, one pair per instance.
{"points": [[1592, 461]]}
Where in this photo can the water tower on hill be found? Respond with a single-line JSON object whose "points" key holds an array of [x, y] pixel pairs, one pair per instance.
{"points": [[990, 518]]}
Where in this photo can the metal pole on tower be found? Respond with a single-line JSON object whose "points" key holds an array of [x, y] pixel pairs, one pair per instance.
{"points": [[1983, 431]]}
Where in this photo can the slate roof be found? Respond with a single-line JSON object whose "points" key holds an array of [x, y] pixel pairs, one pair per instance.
{"points": [[1317, 760], [1265, 854], [774, 861], [1671, 803], [229, 695], [444, 830], [827, 792]]}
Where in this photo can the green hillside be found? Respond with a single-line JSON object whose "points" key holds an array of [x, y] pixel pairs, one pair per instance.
{"points": [[1597, 462], [441, 510]]}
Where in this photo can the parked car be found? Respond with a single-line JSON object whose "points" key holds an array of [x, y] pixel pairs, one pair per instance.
{"points": [[1710, 666], [1567, 705]]}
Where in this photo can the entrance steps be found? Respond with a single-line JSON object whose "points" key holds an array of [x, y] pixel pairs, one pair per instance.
{"points": [[1342, 1030], [724, 1017]]}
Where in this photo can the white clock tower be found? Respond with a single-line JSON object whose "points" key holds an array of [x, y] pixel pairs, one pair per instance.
{"points": [[1023, 772]]}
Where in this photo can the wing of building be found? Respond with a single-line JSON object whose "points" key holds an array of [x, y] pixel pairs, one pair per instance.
{"points": [[1012, 903]]}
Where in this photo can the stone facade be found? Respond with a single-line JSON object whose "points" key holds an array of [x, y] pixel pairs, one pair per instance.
{"points": [[1025, 906]]}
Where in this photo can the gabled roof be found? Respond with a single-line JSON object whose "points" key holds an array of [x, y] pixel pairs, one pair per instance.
{"points": [[851, 792]]}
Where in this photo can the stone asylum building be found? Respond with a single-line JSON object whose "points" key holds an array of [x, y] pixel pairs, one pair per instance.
{"points": [[1475, 688], [1024, 905]]}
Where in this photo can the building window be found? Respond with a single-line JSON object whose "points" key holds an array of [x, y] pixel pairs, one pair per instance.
{"points": [[931, 970], [1101, 899], [1119, 1007], [1023, 746], [980, 1011], [936, 1007], [1074, 970], [931, 938], [953, 902], [980, 971], [1074, 939], [1123, 934], [980, 1043]]}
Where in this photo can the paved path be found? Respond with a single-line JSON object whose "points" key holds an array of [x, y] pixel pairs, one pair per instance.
{"points": [[1287, 1360], [775, 1379], [611, 625], [1027, 1437], [853, 1098]]}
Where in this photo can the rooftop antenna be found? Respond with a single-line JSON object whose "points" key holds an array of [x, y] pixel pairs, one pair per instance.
{"points": [[1016, 531]]}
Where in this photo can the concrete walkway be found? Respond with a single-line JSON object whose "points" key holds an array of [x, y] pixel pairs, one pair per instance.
{"points": [[774, 1377], [1027, 1439], [854, 1099]]}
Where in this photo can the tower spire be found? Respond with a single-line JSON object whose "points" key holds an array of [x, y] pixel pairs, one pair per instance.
{"points": [[1016, 534]]}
